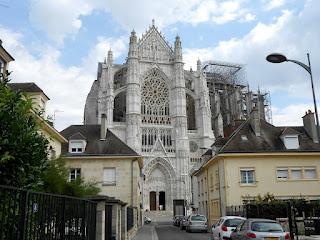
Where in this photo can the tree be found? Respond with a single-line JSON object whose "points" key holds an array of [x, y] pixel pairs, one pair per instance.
{"points": [[55, 180], [24, 159], [23, 149]]}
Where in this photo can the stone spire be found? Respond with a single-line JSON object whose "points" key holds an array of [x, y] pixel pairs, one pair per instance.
{"points": [[110, 57], [178, 49], [198, 65], [133, 45]]}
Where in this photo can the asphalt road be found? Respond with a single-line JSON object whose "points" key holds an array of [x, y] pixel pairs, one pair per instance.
{"points": [[166, 231]]}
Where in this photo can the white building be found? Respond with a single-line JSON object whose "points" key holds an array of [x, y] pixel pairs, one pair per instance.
{"points": [[159, 109]]}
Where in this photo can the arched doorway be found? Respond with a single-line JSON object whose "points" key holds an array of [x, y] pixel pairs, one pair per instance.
{"points": [[158, 185]]}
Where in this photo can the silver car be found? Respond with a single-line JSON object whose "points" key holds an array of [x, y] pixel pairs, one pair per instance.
{"points": [[262, 229], [196, 223]]}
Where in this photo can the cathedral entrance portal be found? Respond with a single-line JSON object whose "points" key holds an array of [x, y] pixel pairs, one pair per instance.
{"points": [[158, 188]]}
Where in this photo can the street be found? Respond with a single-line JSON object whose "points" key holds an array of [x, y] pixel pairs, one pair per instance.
{"points": [[166, 231]]}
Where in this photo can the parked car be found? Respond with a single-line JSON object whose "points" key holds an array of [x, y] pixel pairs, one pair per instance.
{"points": [[196, 223], [183, 222], [224, 227], [263, 229], [176, 220]]}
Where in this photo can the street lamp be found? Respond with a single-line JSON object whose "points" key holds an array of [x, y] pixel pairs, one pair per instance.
{"points": [[279, 58]]}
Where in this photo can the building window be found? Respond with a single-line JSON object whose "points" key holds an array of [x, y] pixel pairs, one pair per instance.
{"points": [[247, 176], [296, 173], [76, 146], [1, 66], [291, 142], [282, 173], [310, 173], [109, 176], [74, 174]]}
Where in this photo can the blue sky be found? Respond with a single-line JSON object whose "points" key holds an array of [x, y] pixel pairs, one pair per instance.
{"points": [[57, 44]]}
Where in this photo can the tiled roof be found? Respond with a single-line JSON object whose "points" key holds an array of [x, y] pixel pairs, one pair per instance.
{"points": [[269, 141], [27, 87], [111, 146]]}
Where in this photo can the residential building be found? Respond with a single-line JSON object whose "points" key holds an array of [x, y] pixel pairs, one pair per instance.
{"points": [[96, 154], [5, 58], [39, 101], [259, 158]]}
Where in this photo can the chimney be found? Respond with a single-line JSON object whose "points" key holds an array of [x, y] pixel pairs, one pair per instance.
{"points": [[310, 126], [103, 127], [255, 122]]}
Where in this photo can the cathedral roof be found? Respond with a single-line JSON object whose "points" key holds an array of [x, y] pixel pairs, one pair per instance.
{"points": [[153, 33], [111, 146]]}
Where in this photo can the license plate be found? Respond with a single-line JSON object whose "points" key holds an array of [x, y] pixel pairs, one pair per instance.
{"points": [[271, 238]]}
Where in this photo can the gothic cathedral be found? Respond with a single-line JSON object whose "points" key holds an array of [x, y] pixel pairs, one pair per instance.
{"points": [[159, 109]]}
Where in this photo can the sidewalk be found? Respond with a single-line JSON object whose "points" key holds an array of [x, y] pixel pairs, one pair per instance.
{"points": [[146, 232], [313, 237]]}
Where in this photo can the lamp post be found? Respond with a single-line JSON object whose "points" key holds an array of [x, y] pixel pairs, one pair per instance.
{"points": [[279, 58]]}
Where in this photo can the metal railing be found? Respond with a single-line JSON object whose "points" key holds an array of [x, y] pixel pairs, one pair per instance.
{"points": [[31, 215]]}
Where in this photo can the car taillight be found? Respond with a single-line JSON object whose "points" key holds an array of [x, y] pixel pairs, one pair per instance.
{"points": [[287, 236], [224, 228], [251, 235]]}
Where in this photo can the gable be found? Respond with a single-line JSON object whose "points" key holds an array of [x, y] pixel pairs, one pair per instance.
{"points": [[153, 47]]}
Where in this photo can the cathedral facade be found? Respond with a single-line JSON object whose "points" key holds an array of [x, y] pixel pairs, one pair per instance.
{"points": [[159, 109]]}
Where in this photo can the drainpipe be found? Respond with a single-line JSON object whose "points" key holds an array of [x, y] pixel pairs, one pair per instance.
{"points": [[208, 202], [132, 181]]}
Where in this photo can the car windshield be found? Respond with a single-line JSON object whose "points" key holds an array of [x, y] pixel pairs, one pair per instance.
{"points": [[266, 227], [198, 218], [232, 222]]}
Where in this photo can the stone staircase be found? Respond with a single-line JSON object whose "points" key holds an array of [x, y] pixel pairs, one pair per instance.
{"points": [[160, 216]]}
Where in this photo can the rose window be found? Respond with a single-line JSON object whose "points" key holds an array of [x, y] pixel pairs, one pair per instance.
{"points": [[155, 99]]}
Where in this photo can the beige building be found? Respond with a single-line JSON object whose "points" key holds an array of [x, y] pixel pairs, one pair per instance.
{"points": [[39, 102], [5, 58], [96, 154], [259, 158]]}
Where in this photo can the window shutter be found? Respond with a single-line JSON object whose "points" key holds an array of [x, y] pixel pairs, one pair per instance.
{"points": [[109, 176]]}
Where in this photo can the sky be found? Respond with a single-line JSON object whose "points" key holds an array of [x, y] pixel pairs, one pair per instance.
{"points": [[58, 44]]}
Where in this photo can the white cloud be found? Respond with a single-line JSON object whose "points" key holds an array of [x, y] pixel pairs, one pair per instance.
{"points": [[292, 34], [290, 115], [61, 18], [58, 18], [66, 86], [272, 4], [248, 17]]}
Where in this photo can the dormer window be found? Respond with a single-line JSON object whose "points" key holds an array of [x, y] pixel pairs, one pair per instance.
{"points": [[244, 138], [77, 146], [291, 142], [290, 138]]}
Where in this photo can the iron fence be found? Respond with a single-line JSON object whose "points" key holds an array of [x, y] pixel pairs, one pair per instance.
{"points": [[30, 215]]}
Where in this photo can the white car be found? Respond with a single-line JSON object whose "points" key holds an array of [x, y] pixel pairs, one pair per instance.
{"points": [[224, 227]]}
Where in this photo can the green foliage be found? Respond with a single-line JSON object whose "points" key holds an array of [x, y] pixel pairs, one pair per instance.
{"points": [[267, 198], [23, 149], [55, 180]]}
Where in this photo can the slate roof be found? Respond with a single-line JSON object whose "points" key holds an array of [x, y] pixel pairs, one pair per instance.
{"points": [[111, 146], [27, 87], [269, 141]]}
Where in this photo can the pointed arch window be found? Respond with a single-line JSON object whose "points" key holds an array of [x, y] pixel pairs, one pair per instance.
{"points": [[155, 99]]}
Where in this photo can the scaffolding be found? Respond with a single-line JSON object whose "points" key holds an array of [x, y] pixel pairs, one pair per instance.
{"points": [[225, 73], [230, 95]]}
